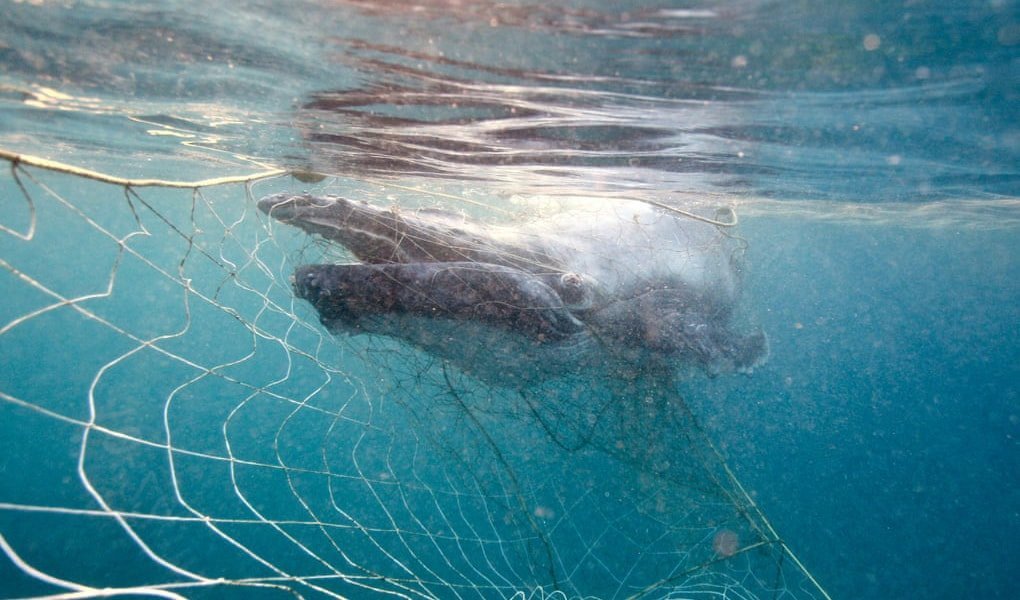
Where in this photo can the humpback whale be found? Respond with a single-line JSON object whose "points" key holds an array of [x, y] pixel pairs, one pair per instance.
{"points": [[621, 288]]}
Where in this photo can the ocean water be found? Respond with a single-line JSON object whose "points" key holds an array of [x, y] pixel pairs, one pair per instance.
{"points": [[174, 422]]}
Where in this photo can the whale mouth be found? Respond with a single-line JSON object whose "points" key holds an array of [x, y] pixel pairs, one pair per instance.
{"points": [[417, 268], [365, 231], [287, 207]]}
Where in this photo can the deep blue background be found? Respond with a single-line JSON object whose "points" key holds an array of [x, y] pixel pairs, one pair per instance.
{"points": [[882, 437]]}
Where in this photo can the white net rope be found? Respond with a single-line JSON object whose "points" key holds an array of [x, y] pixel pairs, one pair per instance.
{"points": [[176, 423]]}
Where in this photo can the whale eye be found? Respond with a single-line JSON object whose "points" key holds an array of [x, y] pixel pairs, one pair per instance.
{"points": [[574, 291]]}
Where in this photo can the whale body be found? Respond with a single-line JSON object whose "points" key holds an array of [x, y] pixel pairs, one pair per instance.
{"points": [[621, 289]]}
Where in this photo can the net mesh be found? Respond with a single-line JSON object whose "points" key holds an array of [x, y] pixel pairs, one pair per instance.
{"points": [[176, 424]]}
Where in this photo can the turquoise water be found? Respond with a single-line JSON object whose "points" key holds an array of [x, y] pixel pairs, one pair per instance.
{"points": [[871, 149]]}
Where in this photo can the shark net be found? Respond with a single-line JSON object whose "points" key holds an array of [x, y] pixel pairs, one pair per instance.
{"points": [[176, 424]]}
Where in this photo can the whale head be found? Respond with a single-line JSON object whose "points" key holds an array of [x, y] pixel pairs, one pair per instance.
{"points": [[514, 305]]}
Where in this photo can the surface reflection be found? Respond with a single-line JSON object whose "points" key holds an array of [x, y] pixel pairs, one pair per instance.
{"points": [[422, 114]]}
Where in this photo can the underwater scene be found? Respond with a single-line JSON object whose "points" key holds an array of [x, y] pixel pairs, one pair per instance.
{"points": [[504, 299]]}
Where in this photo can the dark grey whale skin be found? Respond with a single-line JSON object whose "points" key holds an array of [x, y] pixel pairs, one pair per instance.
{"points": [[512, 309], [493, 295]]}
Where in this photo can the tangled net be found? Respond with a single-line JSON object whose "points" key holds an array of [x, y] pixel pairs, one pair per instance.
{"points": [[175, 424]]}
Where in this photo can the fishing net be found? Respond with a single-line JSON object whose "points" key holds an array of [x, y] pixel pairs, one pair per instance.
{"points": [[175, 423]]}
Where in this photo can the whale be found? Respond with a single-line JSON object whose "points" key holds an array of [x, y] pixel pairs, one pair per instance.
{"points": [[610, 288]]}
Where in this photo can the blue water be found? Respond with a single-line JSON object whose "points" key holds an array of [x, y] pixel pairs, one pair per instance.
{"points": [[872, 150]]}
